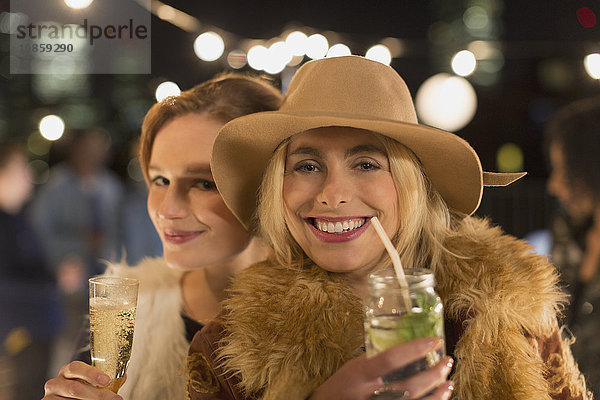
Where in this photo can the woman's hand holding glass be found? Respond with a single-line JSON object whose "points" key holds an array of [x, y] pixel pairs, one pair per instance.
{"points": [[81, 381], [360, 377]]}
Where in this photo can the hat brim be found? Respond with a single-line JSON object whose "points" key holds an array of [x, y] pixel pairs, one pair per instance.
{"points": [[244, 146]]}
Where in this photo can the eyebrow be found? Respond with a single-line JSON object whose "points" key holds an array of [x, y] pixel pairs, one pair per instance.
{"points": [[307, 150], [363, 148]]}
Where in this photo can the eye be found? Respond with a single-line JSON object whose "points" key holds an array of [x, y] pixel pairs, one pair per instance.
{"points": [[306, 167], [160, 181], [204, 184], [367, 166]]}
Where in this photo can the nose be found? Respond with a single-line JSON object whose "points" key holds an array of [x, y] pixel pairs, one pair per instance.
{"points": [[336, 189], [175, 204]]}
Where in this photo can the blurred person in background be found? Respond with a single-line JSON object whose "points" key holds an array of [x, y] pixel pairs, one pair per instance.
{"points": [[76, 215], [29, 307], [204, 244], [573, 144]]}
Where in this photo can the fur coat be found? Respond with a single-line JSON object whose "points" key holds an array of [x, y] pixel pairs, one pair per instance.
{"points": [[285, 331], [157, 366]]}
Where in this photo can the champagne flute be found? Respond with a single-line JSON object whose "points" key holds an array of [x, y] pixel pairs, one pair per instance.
{"points": [[113, 303]]}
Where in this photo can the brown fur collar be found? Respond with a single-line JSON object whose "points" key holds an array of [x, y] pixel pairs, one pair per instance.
{"points": [[289, 330]]}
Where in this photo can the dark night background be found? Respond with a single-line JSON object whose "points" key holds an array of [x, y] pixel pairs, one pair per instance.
{"points": [[543, 43]]}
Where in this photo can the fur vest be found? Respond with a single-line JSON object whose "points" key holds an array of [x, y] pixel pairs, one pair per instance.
{"points": [[285, 331], [157, 366]]}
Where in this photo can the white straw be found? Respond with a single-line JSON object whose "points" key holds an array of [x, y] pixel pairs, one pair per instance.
{"points": [[395, 260]]}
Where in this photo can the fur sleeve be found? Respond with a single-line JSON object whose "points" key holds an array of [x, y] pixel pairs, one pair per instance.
{"points": [[562, 374], [511, 298]]}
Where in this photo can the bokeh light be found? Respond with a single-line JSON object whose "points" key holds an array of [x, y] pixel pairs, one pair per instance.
{"points": [[316, 46], [165, 90], [278, 56], [166, 12], [257, 57], [489, 58], [209, 46], [338, 50], [464, 63], [394, 45], [297, 43], [592, 65], [10, 21], [446, 102], [78, 4], [52, 127], [379, 53], [476, 18], [236, 59], [586, 17], [134, 169], [37, 145], [509, 158], [556, 74]]}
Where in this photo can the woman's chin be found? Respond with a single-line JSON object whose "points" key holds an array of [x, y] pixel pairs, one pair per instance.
{"points": [[341, 264], [180, 263]]}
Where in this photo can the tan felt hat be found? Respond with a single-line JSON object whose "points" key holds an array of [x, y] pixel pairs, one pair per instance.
{"points": [[348, 92]]}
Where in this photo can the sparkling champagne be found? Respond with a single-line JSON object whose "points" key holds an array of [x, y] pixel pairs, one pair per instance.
{"points": [[111, 336]]}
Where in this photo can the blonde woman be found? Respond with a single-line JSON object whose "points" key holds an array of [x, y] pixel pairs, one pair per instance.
{"points": [[346, 146], [204, 244]]}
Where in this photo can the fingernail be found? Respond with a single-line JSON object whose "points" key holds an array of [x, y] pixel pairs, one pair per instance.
{"points": [[450, 362], [103, 380], [449, 390]]}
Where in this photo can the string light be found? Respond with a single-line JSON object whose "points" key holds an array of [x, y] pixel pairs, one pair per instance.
{"points": [[591, 63], [278, 55], [52, 127], [379, 53], [78, 4], [236, 59], [338, 50], [447, 102], [166, 89], [463, 63], [316, 46], [257, 57], [209, 46], [297, 43]]}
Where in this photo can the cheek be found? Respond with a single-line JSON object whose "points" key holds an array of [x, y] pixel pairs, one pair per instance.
{"points": [[297, 192], [152, 204], [381, 195], [381, 192]]}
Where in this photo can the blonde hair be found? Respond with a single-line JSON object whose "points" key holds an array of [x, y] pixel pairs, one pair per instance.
{"points": [[425, 220]]}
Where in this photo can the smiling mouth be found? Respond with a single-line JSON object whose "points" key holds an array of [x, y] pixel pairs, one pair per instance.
{"points": [[180, 237], [339, 226]]}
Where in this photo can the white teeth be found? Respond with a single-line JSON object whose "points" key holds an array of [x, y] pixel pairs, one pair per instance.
{"points": [[338, 227]]}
